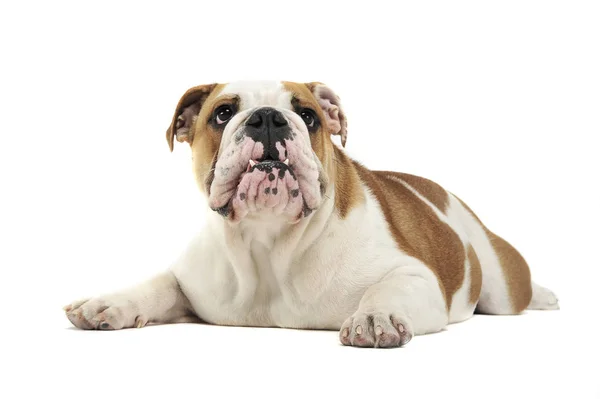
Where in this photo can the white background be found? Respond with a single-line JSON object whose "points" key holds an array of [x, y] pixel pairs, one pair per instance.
{"points": [[497, 101]]}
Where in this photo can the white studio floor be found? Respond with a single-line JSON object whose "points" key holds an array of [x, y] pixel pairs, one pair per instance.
{"points": [[535, 355]]}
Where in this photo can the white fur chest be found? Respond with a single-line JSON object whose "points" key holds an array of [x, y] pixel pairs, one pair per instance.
{"points": [[312, 276]]}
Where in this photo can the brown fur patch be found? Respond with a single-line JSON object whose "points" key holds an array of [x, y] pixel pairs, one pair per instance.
{"points": [[514, 267], [325, 95], [475, 289], [435, 193], [207, 140], [319, 141], [516, 272], [418, 231], [348, 191], [195, 95], [203, 139], [337, 165]]}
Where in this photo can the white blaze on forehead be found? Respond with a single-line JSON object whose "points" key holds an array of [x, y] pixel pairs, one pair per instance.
{"points": [[254, 94]]}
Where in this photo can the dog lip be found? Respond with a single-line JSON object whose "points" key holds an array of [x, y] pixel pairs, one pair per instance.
{"points": [[224, 210], [268, 166], [266, 161]]}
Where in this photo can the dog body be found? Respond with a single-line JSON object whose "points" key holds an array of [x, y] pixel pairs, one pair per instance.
{"points": [[304, 237]]}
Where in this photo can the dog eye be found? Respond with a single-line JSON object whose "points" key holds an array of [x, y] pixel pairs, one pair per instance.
{"points": [[223, 114], [308, 116]]}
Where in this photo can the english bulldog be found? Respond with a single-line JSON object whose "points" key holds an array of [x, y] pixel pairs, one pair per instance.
{"points": [[302, 236]]}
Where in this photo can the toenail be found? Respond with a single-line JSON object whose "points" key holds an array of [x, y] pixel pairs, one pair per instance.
{"points": [[378, 330], [345, 333], [104, 325], [358, 330]]}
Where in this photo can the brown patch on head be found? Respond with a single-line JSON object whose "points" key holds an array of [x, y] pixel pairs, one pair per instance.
{"points": [[475, 274], [335, 118], [337, 165], [302, 97], [514, 267], [207, 139], [418, 231], [191, 123], [185, 114]]}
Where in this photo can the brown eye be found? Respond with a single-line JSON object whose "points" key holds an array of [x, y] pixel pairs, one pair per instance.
{"points": [[223, 114], [308, 116]]}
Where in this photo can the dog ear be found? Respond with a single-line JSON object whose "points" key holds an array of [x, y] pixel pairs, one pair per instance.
{"points": [[331, 106], [186, 112]]}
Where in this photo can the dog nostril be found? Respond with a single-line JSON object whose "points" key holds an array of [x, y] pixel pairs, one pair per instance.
{"points": [[255, 120], [278, 119]]}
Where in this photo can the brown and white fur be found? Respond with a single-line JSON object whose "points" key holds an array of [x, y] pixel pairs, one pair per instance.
{"points": [[309, 238]]}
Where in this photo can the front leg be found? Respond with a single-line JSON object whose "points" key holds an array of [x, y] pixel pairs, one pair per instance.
{"points": [[158, 300], [407, 301]]}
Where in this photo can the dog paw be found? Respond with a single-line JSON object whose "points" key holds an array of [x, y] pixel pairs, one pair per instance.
{"points": [[375, 330], [104, 313]]}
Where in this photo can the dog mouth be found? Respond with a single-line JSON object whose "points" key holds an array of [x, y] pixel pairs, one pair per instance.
{"points": [[284, 181], [265, 185], [268, 163]]}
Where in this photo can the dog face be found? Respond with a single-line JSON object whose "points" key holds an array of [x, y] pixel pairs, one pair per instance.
{"points": [[260, 148]]}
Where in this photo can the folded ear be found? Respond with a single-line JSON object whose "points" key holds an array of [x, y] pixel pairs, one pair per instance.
{"points": [[331, 106], [186, 112]]}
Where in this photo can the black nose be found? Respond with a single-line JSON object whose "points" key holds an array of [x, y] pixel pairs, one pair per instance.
{"points": [[266, 118], [269, 127]]}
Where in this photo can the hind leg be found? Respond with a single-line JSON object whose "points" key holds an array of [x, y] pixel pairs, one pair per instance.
{"points": [[506, 280], [506, 285]]}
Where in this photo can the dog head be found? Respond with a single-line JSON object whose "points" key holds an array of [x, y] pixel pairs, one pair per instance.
{"points": [[260, 148]]}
